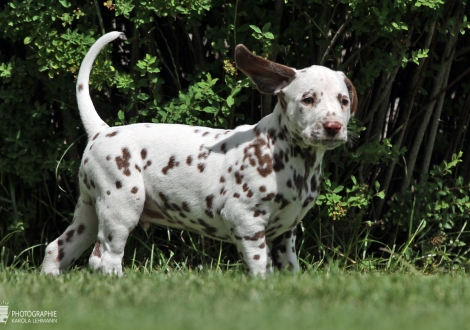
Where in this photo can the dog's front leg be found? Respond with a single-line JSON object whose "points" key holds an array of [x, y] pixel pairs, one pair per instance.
{"points": [[254, 250], [283, 250]]}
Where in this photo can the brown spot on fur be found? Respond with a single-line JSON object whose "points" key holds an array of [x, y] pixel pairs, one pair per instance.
{"points": [[186, 207], [143, 153], [256, 256], [245, 187], [69, 235], [96, 136], [80, 229], [80, 87], [238, 178], [254, 154], [112, 134], [222, 179], [137, 167], [85, 181], [148, 164], [85, 161], [308, 201], [171, 163], [262, 188], [236, 195], [60, 255], [223, 148], [201, 167], [272, 135], [278, 164], [256, 236], [268, 197], [282, 101], [204, 154], [122, 162], [209, 200], [108, 192], [257, 213], [134, 190], [262, 245], [118, 184], [189, 160], [163, 197]]}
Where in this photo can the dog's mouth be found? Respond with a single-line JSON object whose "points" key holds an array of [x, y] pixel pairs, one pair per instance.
{"points": [[326, 143], [331, 144]]}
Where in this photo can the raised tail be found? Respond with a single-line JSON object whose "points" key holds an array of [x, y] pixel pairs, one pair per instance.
{"points": [[90, 118]]}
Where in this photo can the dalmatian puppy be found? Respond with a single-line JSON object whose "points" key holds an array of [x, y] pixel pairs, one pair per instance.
{"points": [[250, 186]]}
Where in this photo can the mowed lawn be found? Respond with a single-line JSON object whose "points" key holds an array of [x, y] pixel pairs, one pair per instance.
{"points": [[230, 300]]}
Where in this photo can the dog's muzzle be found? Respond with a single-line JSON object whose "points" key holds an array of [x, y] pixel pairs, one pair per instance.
{"points": [[328, 136]]}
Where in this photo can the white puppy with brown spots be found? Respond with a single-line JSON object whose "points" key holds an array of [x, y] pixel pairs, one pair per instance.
{"points": [[250, 186]]}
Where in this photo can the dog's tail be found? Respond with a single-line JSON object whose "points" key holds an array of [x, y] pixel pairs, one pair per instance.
{"points": [[90, 118]]}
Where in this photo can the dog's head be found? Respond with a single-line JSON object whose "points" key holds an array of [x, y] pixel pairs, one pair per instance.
{"points": [[317, 102]]}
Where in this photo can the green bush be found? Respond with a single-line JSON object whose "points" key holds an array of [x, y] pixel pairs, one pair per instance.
{"points": [[399, 190]]}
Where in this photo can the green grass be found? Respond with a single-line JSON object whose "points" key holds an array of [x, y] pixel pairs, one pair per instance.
{"points": [[326, 299]]}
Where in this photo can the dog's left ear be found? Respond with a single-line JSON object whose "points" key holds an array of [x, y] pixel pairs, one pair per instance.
{"points": [[268, 76], [352, 95]]}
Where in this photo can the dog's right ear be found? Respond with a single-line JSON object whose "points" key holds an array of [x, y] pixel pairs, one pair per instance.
{"points": [[268, 76]]}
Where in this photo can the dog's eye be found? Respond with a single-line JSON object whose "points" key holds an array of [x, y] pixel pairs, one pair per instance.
{"points": [[345, 102], [308, 100]]}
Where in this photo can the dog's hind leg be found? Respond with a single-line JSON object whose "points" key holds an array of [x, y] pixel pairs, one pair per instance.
{"points": [[117, 216], [62, 252]]}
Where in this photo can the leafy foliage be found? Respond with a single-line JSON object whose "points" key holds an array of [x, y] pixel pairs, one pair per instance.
{"points": [[400, 190]]}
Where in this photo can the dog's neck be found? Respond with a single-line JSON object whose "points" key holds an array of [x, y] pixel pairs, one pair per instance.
{"points": [[275, 129]]}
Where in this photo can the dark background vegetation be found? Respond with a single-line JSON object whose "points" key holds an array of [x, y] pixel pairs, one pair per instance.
{"points": [[398, 193]]}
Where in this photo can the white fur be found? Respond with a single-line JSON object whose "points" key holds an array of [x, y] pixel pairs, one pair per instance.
{"points": [[250, 186]]}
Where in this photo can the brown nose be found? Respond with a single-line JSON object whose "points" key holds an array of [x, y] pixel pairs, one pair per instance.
{"points": [[332, 127]]}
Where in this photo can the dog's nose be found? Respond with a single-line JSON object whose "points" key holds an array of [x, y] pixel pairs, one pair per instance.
{"points": [[332, 127]]}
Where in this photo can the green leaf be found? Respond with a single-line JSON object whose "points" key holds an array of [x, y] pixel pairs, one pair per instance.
{"points": [[143, 96], [65, 3], [269, 35], [121, 115], [256, 29], [27, 40], [209, 110], [230, 100], [266, 27]]}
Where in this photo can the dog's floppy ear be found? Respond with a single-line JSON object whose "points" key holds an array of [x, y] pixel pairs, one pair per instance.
{"points": [[352, 95], [268, 76]]}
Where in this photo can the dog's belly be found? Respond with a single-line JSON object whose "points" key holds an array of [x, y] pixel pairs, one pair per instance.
{"points": [[179, 216]]}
